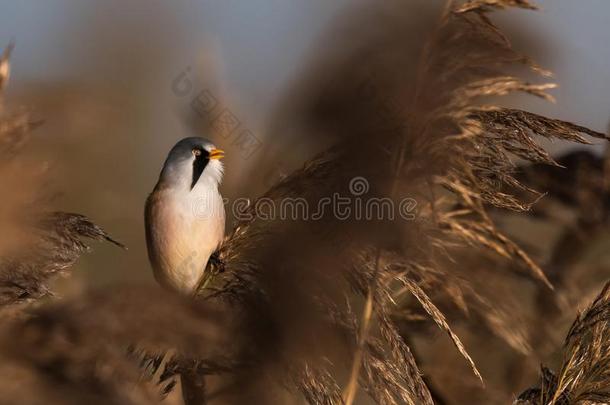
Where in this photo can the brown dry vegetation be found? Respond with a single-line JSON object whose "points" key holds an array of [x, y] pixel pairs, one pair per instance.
{"points": [[336, 311]]}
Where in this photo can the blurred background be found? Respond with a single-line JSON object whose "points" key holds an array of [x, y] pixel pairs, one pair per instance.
{"points": [[117, 83]]}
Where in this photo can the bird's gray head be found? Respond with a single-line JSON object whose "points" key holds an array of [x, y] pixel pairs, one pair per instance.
{"points": [[192, 161]]}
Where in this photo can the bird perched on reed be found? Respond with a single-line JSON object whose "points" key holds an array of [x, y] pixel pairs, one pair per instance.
{"points": [[184, 215]]}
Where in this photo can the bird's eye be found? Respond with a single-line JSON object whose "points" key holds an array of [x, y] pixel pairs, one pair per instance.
{"points": [[197, 152]]}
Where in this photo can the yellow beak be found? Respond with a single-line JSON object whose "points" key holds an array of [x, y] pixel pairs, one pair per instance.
{"points": [[217, 154]]}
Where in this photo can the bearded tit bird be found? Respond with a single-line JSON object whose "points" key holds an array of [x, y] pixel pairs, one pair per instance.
{"points": [[184, 214]]}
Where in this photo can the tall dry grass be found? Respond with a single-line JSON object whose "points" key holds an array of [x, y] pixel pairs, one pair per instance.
{"points": [[322, 311]]}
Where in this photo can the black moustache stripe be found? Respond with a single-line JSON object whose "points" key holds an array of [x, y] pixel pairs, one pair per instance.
{"points": [[198, 165]]}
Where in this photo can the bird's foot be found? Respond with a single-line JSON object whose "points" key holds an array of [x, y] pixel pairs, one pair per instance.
{"points": [[217, 263]]}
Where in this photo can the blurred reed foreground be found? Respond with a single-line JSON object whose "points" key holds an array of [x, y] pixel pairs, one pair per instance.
{"points": [[336, 311]]}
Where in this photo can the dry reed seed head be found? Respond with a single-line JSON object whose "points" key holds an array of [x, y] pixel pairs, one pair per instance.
{"points": [[82, 345], [474, 147], [53, 244], [38, 244], [585, 372], [293, 313], [485, 6]]}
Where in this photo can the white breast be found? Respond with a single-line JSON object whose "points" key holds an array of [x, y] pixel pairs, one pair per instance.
{"points": [[183, 229]]}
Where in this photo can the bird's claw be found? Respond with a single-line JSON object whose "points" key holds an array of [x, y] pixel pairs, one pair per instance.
{"points": [[216, 262]]}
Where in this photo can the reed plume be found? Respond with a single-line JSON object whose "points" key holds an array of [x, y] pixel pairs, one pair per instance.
{"points": [[318, 310], [445, 147], [584, 374]]}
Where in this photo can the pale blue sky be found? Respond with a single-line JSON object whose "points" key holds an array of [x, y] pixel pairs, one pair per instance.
{"points": [[262, 43]]}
